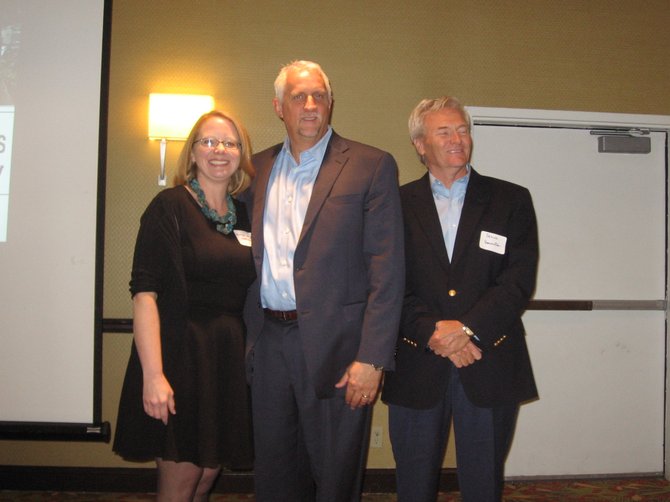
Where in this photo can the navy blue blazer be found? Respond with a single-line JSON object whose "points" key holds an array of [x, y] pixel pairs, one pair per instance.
{"points": [[484, 289]]}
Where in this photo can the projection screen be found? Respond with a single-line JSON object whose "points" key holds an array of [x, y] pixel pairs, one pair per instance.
{"points": [[53, 92]]}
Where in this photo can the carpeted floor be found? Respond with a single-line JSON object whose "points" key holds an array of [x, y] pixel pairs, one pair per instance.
{"points": [[613, 490]]}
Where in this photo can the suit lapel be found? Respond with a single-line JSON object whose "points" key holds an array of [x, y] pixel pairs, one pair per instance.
{"points": [[423, 205], [333, 162], [263, 170], [475, 202]]}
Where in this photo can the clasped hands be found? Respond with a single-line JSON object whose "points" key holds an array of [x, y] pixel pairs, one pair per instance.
{"points": [[449, 340]]}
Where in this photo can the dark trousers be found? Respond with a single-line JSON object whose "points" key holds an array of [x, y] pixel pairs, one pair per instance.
{"points": [[307, 449], [419, 439]]}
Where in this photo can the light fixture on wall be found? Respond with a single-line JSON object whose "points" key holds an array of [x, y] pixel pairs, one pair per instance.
{"points": [[171, 117]]}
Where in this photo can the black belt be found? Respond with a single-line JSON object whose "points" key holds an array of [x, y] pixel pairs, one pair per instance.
{"points": [[282, 315]]}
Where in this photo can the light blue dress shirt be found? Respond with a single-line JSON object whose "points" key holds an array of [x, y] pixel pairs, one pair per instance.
{"points": [[288, 194], [449, 204]]}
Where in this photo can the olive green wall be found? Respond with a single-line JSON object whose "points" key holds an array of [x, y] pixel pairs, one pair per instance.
{"points": [[382, 56]]}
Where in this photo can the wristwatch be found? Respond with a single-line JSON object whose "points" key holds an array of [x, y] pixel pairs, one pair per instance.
{"points": [[377, 368], [468, 331]]}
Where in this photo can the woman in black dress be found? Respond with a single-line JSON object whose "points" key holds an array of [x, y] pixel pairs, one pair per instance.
{"points": [[185, 400]]}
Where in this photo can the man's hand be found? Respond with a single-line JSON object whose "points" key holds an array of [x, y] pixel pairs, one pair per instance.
{"points": [[448, 338], [362, 381], [466, 356]]}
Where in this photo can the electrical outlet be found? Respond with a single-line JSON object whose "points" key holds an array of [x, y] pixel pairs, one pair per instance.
{"points": [[376, 437]]}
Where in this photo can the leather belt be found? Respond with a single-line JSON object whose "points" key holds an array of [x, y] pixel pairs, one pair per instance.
{"points": [[282, 315]]}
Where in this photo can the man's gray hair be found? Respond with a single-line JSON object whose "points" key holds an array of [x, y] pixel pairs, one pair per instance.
{"points": [[417, 118], [280, 81]]}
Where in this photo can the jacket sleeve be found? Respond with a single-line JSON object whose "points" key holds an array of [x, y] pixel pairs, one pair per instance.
{"points": [[383, 248]]}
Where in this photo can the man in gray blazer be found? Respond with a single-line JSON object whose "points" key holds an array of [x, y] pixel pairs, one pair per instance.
{"points": [[328, 246], [471, 257]]}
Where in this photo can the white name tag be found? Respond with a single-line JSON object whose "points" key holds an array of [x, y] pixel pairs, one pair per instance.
{"points": [[243, 237], [492, 242]]}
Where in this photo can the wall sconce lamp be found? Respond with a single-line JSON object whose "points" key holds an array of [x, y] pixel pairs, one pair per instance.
{"points": [[171, 117]]}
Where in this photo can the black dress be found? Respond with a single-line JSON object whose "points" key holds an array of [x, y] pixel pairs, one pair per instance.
{"points": [[201, 277]]}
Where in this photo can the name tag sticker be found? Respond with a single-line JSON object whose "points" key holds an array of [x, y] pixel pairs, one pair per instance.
{"points": [[492, 242], [243, 237]]}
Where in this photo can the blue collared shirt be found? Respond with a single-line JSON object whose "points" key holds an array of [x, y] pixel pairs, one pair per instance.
{"points": [[288, 194], [449, 204]]}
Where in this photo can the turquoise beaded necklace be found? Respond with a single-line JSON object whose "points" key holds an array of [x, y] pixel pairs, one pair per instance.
{"points": [[225, 223]]}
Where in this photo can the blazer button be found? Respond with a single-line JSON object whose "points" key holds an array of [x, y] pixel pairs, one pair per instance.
{"points": [[452, 292]]}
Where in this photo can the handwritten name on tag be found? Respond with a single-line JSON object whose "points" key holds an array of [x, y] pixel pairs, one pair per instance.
{"points": [[243, 237], [492, 242]]}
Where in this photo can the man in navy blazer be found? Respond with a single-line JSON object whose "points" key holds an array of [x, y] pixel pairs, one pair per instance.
{"points": [[328, 247], [471, 260]]}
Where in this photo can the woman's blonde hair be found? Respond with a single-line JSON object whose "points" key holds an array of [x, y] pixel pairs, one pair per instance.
{"points": [[187, 169]]}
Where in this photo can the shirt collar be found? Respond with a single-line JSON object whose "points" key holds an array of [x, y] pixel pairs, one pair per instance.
{"points": [[316, 152], [457, 190]]}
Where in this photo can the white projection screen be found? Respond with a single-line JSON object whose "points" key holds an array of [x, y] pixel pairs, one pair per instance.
{"points": [[54, 57]]}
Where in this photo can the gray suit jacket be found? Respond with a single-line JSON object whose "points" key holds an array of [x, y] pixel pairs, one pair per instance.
{"points": [[348, 264]]}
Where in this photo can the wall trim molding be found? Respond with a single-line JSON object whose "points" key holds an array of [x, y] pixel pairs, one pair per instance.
{"points": [[566, 118]]}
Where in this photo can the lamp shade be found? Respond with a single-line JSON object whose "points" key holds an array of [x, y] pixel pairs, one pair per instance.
{"points": [[171, 116]]}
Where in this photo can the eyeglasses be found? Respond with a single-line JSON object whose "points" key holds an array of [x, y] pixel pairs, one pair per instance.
{"points": [[213, 143]]}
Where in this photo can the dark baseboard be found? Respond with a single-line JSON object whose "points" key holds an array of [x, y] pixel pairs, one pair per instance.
{"points": [[141, 480]]}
